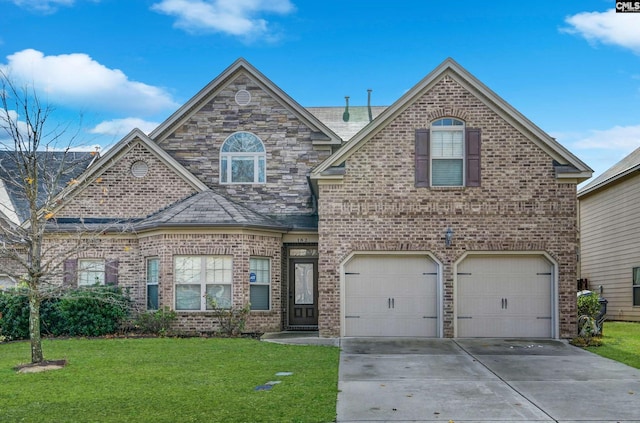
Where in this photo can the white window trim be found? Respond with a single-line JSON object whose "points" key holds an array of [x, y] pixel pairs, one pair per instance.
{"points": [[256, 156], [262, 283], [203, 282], [89, 271], [447, 128]]}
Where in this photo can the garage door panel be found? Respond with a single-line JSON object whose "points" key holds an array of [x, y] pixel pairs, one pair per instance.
{"points": [[504, 296], [391, 296]]}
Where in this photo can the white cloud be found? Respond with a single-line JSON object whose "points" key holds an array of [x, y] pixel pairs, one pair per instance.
{"points": [[46, 6], [232, 17], [623, 138], [621, 29], [79, 81], [121, 127]]}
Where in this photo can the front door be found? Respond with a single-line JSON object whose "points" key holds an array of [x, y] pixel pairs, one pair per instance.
{"points": [[303, 292]]}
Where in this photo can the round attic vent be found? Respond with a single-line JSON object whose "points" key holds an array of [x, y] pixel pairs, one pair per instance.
{"points": [[243, 97], [139, 169]]}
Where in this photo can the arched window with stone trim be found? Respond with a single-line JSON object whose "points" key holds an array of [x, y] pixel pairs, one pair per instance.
{"points": [[243, 160]]}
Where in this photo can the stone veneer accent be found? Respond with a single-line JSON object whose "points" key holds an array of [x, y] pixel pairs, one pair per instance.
{"points": [[520, 206], [290, 153]]}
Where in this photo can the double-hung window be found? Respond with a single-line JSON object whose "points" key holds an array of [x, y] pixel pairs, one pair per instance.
{"points": [[447, 153], [153, 277], [242, 159], [636, 286], [91, 272], [200, 280], [259, 283]]}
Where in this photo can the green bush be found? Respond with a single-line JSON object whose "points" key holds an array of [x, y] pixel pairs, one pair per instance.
{"points": [[589, 305], [156, 322], [94, 311]]}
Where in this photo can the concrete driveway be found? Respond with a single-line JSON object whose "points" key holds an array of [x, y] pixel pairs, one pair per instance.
{"points": [[482, 380]]}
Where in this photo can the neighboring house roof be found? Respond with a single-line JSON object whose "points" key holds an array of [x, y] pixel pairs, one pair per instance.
{"points": [[321, 134], [208, 209], [623, 168], [58, 169], [570, 166], [358, 118]]}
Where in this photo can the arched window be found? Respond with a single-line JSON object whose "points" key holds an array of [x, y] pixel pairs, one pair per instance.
{"points": [[447, 152], [242, 160]]}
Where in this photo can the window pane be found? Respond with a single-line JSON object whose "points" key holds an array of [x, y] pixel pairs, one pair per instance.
{"points": [[636, 295], [153, 270], [259, 297], [242, 169], [152, 297], [221, 294], [187, 269], [188, 297], [261, 170], [446, 172], [243, 142], [304, 283], [447, 144], [636, 275], [223, 169], [90, 272]]}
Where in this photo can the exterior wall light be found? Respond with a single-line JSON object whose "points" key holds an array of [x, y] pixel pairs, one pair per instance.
{"points": [[448, 236]]}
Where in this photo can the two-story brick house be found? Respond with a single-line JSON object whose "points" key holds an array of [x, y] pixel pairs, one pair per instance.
{"points": [[449, 214]]}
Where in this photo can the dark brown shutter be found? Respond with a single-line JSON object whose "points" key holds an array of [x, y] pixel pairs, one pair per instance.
{"points": [[69, 272], [111, 272], [422, 157], [473, 157]]}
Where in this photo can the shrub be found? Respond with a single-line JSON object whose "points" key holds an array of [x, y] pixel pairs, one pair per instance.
{"points": [[231, 321], [589, 305], [91, 311], [156, 322]]}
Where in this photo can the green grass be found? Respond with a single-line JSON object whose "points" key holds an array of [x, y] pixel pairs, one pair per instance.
{"points": [[170, 380], [621, 342]]}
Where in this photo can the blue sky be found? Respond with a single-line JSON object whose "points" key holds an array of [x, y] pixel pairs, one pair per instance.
{"points": [[571, 66]]}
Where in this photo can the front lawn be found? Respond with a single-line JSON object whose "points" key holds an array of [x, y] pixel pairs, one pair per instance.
{"points": [[170, 380], [621, 342]]}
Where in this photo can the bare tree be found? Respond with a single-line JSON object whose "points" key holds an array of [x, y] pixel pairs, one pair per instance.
{"points": [[34, 170]]}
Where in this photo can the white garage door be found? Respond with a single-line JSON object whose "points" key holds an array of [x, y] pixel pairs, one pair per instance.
{"points": [[504, 296], [391, 296]]}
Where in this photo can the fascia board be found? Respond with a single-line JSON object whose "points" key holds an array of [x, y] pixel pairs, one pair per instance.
{"points": [[589, 190]]}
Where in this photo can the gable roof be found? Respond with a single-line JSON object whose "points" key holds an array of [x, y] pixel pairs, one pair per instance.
{"points": [[112, 155], [321, 134], [57, 169], [208, 209], [576, 169], [624, 167]]}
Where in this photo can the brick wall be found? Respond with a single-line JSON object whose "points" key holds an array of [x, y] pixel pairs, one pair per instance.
{"points": [[520, 206], [116, 193]]}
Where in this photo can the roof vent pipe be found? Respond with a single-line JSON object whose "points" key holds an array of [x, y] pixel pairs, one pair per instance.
{"points": [[369, 104], [345, 115]]}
